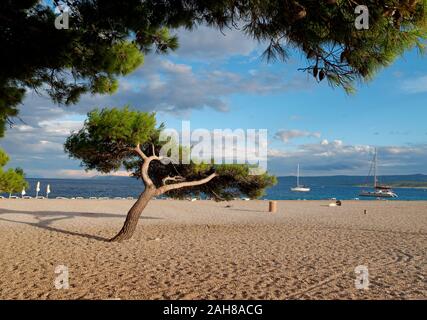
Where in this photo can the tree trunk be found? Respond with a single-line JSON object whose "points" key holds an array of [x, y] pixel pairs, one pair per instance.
{"points": [[133, 215]]}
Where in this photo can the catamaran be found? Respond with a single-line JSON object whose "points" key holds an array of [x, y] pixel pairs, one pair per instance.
{"points": [[380, 191], [300, 188]]}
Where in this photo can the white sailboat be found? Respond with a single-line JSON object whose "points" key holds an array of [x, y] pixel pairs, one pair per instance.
{"points": [[380, 191], [300, 188]]}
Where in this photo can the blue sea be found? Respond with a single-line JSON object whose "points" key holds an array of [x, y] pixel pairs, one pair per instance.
{"points": [[339, 187]]}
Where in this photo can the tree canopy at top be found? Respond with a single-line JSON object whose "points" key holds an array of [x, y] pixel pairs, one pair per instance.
{"points": [[107, 39]]}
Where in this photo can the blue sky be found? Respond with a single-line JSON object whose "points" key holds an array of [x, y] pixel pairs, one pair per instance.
{"points": [[220, 82], [382, 111]]}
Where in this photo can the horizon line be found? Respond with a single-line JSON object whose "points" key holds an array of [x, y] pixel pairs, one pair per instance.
{"points": [[278, 176]]}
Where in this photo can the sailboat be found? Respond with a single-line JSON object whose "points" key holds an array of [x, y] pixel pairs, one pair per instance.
{"points": [[380, 191], [300, 188]]}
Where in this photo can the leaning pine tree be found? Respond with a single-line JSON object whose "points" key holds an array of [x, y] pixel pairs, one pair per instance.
{"points": [[114, 138]]}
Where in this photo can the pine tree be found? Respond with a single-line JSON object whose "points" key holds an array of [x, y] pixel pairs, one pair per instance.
{"points": [[11, 180], [114, 138]]}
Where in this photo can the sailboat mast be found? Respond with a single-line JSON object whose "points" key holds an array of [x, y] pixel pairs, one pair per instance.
{"points": [[298, 175], [375, 168]]}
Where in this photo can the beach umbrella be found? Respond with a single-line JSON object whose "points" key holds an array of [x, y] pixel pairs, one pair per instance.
{"points": [[47, 191], [37, 189], [23, 193]]}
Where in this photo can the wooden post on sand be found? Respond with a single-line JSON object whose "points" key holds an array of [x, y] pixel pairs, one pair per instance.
{"points": [[272, 206]]}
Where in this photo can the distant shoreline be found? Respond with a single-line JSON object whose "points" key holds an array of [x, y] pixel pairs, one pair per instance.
{"points": [[422, 188], [321, 188], [396, 187], [113, 177], [399, 186], [116, 200]]}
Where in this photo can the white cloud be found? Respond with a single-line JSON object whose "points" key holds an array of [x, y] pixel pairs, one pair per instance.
{"points": [[324, 142], [162, 85], [416, 85], [175, 67], [24, 128], [60, 127], [209, 43], [287, 135], [336, 157]]}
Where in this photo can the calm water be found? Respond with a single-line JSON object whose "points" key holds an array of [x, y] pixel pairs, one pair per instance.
{"points": [[321, 188]]}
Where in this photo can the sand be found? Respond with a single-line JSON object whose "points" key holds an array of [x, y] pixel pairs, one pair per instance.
{"points": [[204, 250]]}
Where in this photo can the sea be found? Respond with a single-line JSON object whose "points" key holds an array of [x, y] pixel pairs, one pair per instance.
{"points": [[329, 187]]}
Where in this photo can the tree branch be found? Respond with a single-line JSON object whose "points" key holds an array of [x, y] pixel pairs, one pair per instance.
{"points": [[179, 185], [217, 195], [175, 178], [153, 149], [144, 170], [140, 152]]}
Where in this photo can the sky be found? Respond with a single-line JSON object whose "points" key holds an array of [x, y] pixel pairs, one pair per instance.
{"points": [[218, 81]]}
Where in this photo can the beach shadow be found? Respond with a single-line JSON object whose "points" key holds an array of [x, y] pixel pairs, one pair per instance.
{"points": [[45, 219]]}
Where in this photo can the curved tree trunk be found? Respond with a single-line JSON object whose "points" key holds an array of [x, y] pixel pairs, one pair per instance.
{"points": [[133, 215]]}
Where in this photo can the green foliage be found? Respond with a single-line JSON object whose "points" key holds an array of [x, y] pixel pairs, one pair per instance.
{"points": [[122, 59], [108, 139], [4, 158], [11, 180], [233, 181], [107, 39]]}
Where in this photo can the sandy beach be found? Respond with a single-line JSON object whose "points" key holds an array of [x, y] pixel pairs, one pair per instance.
{"points": [[205, 250]]}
